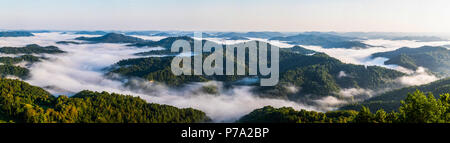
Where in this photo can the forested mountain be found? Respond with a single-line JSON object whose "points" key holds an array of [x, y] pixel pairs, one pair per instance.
{"points": [[15, 34], [323, 40], [23, 103], [23, 58], [164, 34], [237, 38], [416, 108], [141, 33], [391, 99], [264, 35], [165, 43], [317, 75], [111, 38], [31, 49], [91, 32], [7, 64], [436, 59]]}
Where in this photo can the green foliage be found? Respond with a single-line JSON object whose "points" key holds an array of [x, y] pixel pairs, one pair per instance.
{"points": [[15, 34], [417, 108], [67, 42], [17, 71], [157, 52], [324, 40], [22, 102], [269, 114], [31, 49]]}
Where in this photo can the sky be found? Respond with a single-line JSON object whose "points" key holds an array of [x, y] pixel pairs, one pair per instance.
{"points": [[228, 15]]}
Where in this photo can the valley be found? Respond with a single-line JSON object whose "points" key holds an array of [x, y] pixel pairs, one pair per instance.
{"points": [[325, 75]]}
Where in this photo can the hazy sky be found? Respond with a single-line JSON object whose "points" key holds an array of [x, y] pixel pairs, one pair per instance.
{"points": [[228, 15]]}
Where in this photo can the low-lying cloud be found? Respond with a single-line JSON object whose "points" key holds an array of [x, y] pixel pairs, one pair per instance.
{"points": [[81, 68]]}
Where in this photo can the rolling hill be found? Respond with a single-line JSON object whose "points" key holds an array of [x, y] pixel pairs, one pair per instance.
{"points": [[24, 103], [323, 40], [391, 100], [111, 38], [436, 59]]}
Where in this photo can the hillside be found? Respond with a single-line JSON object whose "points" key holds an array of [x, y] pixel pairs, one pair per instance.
{"points": [[23, 58], [264, 35], [165, 43], [31, 49], [24, 103], [316, 74], [8, 65], [91, 32], [15, 34], [436, 59], [323, 40], [416, 108], [11, 70], [111, 38], [420, 38]]}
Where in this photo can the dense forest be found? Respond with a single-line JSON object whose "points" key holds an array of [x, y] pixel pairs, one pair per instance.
{"points": [[417, 107], [23, 58], [391, 100], [24, 103], [15, 34], [111, 38], [8, 65]]}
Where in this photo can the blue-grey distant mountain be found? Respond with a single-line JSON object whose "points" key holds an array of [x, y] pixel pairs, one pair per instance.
{"points": [[436, 59], [68, 42], [141, 33], [391, 100], [112, 38], [15, 34], [91, 32], [264, 35], [31, 49], [323, 40], [301, 50]]}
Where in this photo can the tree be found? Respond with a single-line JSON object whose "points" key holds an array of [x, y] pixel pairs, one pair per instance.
{"points": [[418, 108]]}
